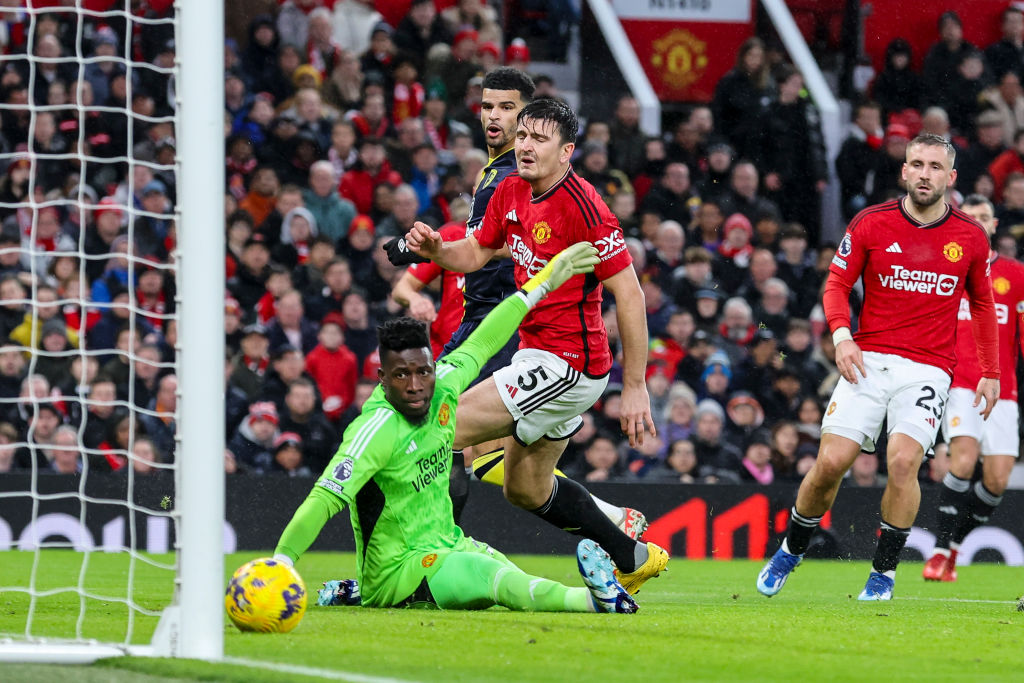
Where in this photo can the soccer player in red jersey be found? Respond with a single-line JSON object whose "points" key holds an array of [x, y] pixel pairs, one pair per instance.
{"points": [[917, 256], [963, 507], [445, 319], [563, 361]]}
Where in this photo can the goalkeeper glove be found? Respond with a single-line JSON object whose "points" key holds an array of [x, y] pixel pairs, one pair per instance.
{"points": [[399, 253], [575, 260]]}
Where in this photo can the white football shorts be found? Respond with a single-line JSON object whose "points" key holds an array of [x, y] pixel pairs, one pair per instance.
{"points": [[909, 395], [997, 435], [545, 395]]}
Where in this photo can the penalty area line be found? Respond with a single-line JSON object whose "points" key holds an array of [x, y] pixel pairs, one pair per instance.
{"points": [[297, 670]]}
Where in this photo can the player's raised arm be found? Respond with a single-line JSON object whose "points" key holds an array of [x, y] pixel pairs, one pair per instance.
{"points": [[408, 292], [632, 319], [462, 256]]}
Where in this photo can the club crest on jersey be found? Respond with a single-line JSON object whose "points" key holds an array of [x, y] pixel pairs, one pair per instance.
{"points": [[429, 560], [953, 252], [846, 246], [541, 232], [444, 414], [1001, 285], [831, 408], [955, 422]]}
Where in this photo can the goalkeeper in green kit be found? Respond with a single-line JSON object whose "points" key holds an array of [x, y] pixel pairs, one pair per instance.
{"points": [[392, 470]]}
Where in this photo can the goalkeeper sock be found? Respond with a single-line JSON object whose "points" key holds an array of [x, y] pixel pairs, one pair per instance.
{"points": [[801, 528], [890, 543], [458, 485], [953, 503], [980, 506], [571, 508]]}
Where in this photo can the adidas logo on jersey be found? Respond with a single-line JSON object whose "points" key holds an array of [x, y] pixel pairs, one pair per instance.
{"points": [[512, 391], [411, 448], [511, 216], [894, 248]]}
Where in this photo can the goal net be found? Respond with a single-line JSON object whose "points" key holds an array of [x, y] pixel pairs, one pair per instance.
{"points": [[111, 344]]}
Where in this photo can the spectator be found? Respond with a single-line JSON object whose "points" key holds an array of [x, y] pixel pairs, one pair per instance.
{"points": [[160, 423], [706, 226], [300, 415], [1011, 212], [309, 276], [743, 197], [601, 462], [404, 213], [626, 146], [43, 420], [943, 58], [1007, 100], [262, 196], [145, 456], [250, 366], [793, 156], [373, 169], [859, 158], [772, 310], [671, 198], [667, 254], [298, 230], [420, 29], [898, 87], [864, 472], [1007, 54], [337, 282], [260, 59], [8, 436], [742, 98], [785, 439], [962, 101], [360, 328], [713, 454], [375, 63], [678, 415], [745, 417], [252, 444], [352, 24], [1009, 162], [680, 465], [755, 373], [715, 380], [249, 283], [734, 253], [715, 184], [756, 465], [63, 454], [288, 456], [333, 213], [289, 326], [333, 367], [479, 15]]}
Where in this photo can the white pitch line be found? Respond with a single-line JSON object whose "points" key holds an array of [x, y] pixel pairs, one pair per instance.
{"points": [[331, 674], [987, 602]]}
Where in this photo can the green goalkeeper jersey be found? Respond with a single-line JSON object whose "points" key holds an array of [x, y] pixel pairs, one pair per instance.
{"points": [[393, 474]]}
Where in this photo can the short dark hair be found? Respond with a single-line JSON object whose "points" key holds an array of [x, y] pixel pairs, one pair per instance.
{"points": [[556, 111], [978, 200], [401, 334], [508, 78]]}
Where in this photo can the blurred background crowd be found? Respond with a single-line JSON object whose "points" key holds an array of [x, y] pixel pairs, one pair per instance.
{"points": [[342, 126]]}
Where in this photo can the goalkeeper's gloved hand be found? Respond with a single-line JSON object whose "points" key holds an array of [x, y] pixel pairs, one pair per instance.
{"points": [[575, 260], [344, 593], [399, 253]]}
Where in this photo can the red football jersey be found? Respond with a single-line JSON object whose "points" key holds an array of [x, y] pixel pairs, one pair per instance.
{"points": [[914, 277], [1008, 292], [449, 315], [568, 322]]}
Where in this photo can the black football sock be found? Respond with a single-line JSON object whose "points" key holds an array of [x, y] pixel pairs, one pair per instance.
{"points": [[572, 509], [890, 544], [801, 528], [458, 485], [981, 503], [953, 501]]}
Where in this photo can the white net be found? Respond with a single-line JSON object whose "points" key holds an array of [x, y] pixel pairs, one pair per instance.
{"points": [[88, 319]]}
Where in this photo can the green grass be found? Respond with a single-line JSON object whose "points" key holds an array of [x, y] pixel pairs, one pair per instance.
{"points": [[701, 621]]}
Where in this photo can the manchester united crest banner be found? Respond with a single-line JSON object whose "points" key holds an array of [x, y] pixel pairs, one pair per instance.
{"points": [[685, 46]]}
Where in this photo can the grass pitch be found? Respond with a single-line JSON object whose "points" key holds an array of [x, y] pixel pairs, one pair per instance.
{"points": [[701, 621]]}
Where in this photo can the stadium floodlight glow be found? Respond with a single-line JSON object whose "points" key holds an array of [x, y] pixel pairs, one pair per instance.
{"points": [[189, 597]]}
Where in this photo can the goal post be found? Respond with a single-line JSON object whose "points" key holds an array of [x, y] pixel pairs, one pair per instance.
{"points": [[200, 502], [191, 622]]}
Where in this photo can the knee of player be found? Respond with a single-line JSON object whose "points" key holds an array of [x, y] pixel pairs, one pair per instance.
{"points": [[830, 467], [902, 466], [521, 498]]}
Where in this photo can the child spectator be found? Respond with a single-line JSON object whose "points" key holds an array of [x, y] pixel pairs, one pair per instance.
{"points": [[408, 94], [333, 367], [288, 456]]}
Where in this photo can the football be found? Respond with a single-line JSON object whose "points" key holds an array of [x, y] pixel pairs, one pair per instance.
{"points": [[265, 595]]}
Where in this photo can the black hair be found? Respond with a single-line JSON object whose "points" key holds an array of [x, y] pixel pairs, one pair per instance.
{"points": [[977, 200], [556, 111], [401, 334], [508, 78]]}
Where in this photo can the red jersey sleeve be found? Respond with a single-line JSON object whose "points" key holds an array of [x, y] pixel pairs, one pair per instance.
{"points": [[847, 266], [611, 249], [491, 232], [983, 312]]}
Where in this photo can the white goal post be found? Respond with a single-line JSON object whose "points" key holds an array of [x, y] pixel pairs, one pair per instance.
{"points": [[192, 625]]}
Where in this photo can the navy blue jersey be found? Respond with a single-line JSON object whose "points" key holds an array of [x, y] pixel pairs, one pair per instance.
{"points": [[490, 285]]}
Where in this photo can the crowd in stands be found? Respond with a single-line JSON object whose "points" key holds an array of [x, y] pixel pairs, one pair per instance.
{"points": [[341, 131]]}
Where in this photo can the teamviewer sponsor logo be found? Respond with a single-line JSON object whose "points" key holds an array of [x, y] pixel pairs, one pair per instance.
{"points": [[524, 256], [921, 281]]}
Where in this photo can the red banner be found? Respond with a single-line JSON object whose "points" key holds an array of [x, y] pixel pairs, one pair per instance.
{"points": [[685, 46]]}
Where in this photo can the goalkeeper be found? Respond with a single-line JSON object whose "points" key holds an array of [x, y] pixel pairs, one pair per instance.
{"points": [[392, 470]]}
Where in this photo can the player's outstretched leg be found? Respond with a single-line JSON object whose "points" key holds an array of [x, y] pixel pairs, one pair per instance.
{"points": [[598, 574], [490, 468]]}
